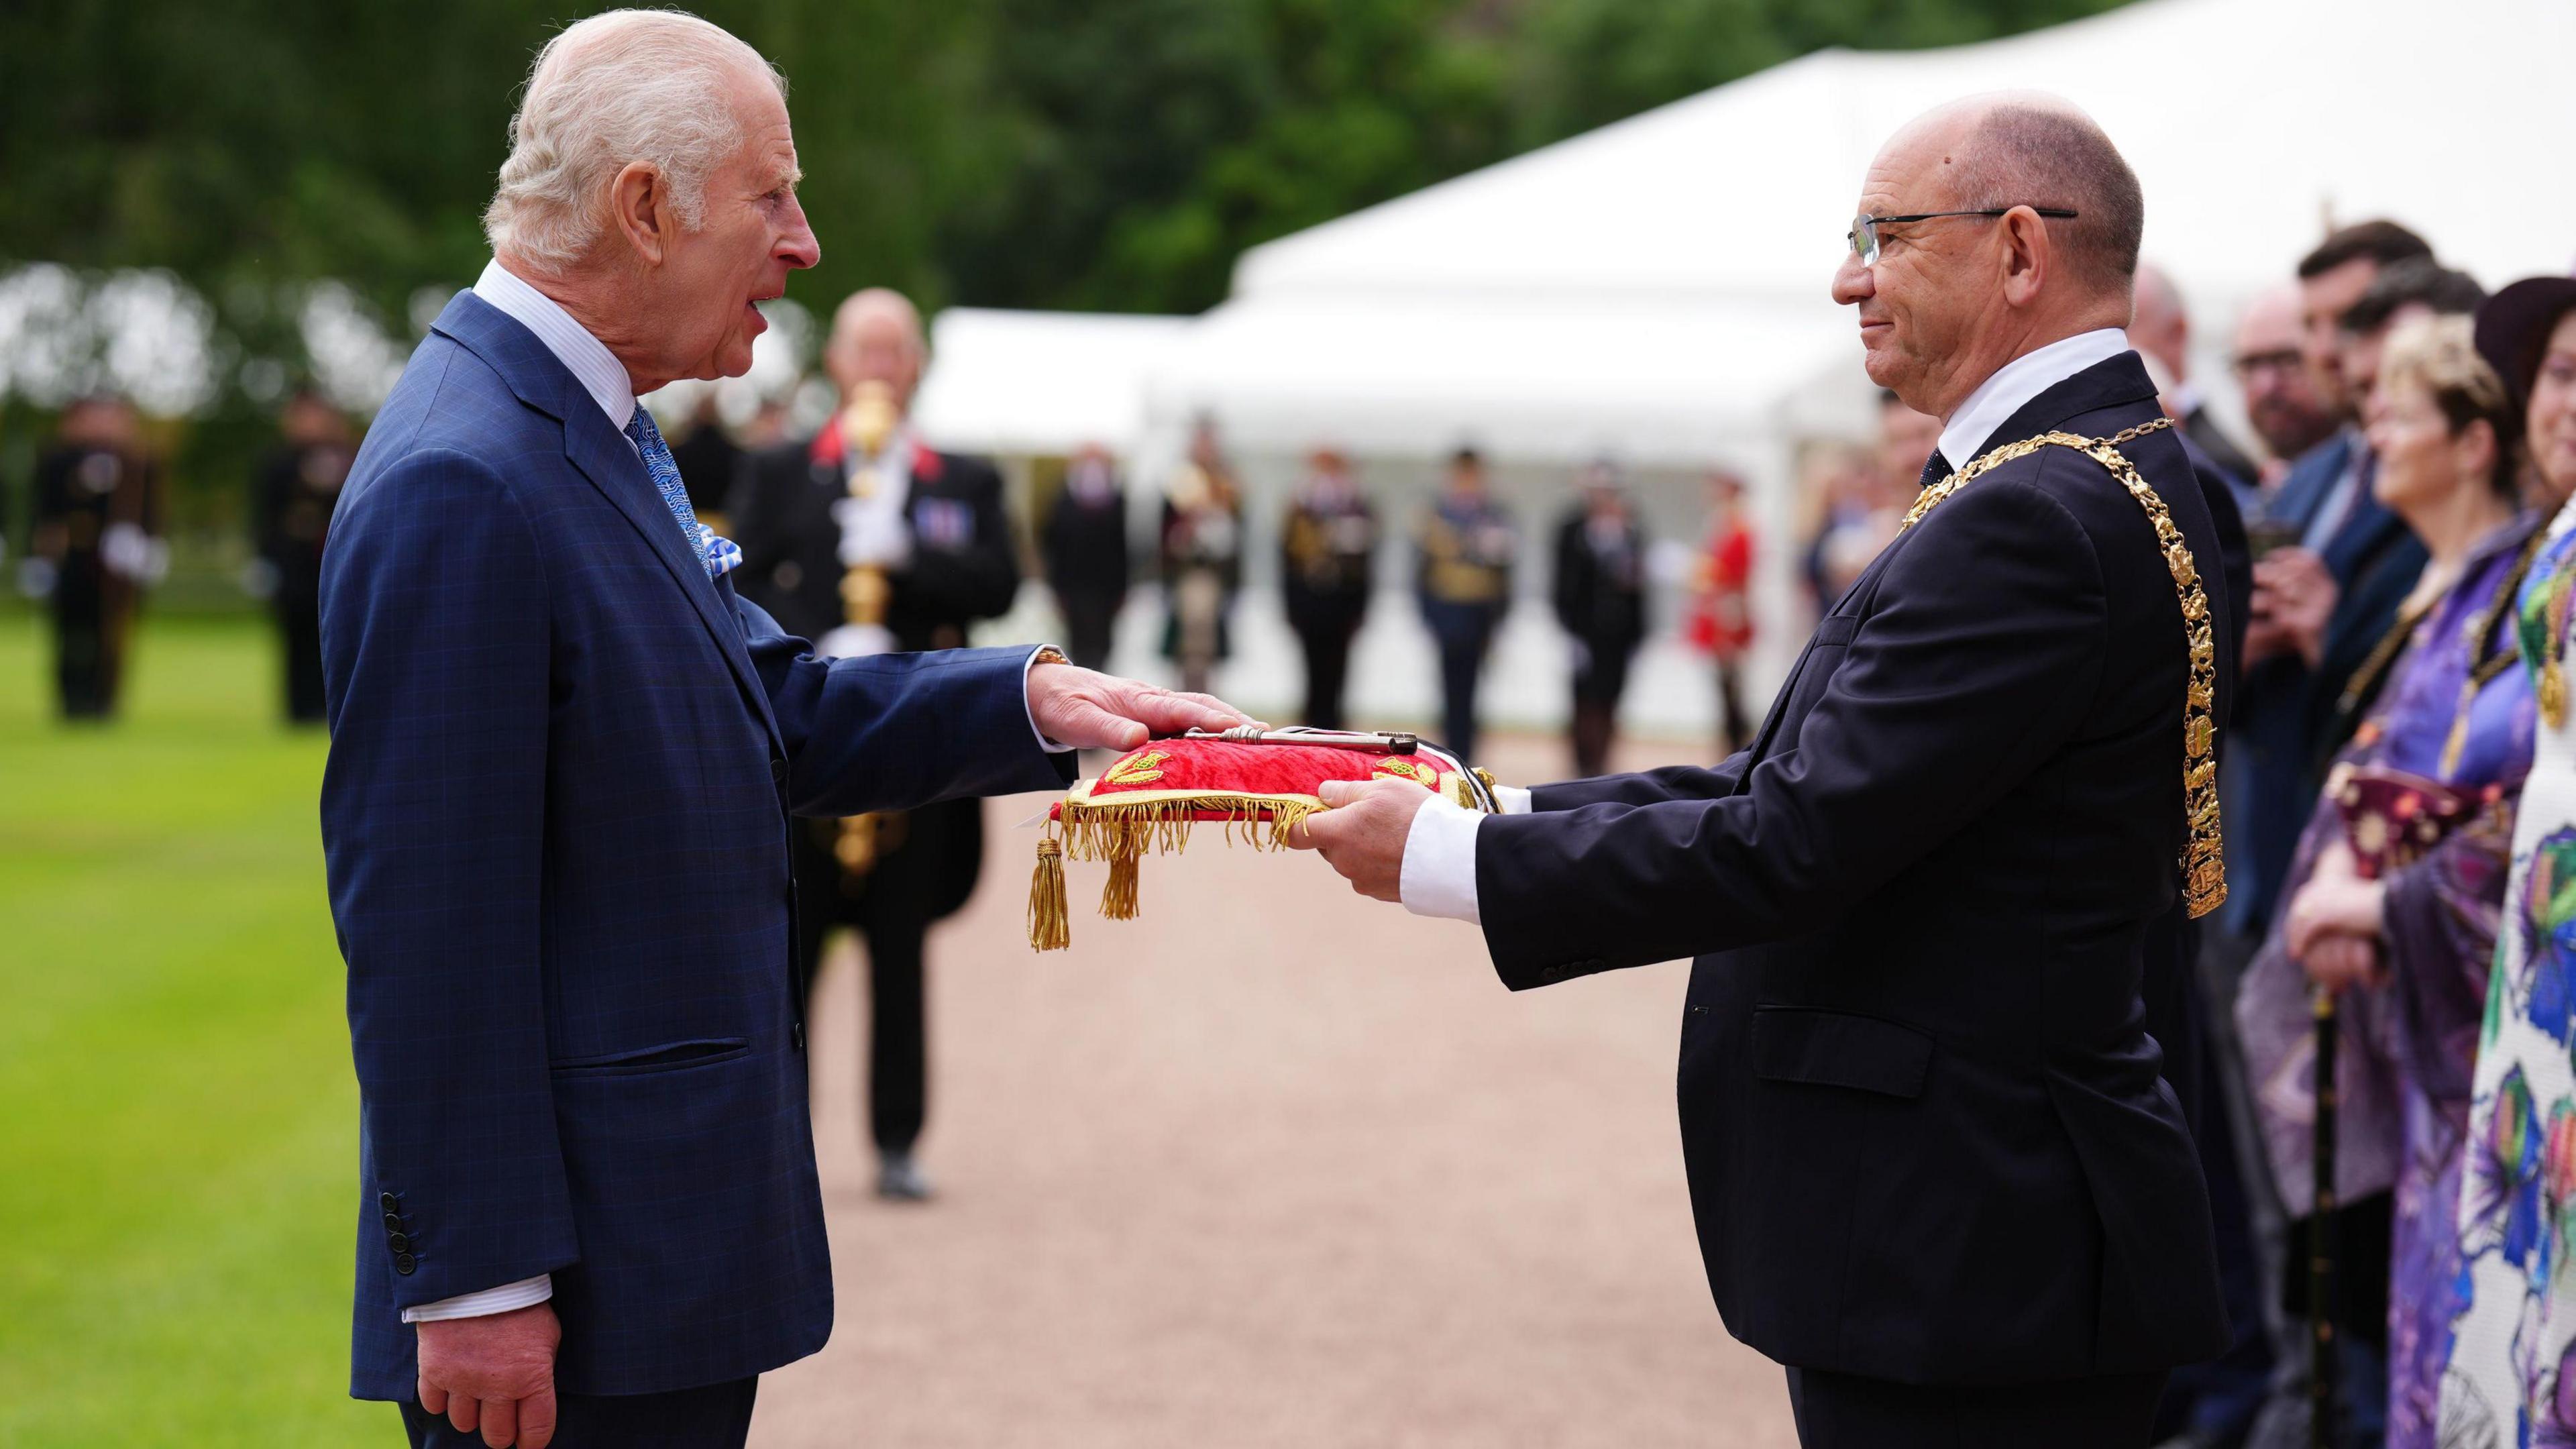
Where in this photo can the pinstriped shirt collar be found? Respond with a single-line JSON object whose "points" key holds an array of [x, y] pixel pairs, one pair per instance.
{"points": [[584, 356]]}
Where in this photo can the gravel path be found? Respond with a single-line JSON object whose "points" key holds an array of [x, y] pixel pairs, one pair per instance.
{"points": [[1272, 1165]]}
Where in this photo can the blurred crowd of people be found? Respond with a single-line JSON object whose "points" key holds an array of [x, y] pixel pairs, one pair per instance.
{"points": [[2391, 855]]}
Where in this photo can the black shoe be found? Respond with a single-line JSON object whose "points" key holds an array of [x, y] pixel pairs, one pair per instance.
{"points": [[899, 1180]]}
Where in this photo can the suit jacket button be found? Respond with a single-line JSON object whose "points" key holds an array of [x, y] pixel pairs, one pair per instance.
{"points": [[393, 1222], [388, 1201], [777, 771], [398, 1242], [404, 1263]]}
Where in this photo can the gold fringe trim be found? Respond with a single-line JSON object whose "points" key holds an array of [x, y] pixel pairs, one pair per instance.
{"points": [[1162, 827], [1122, 834], [1050, 923], [1118, 898]]}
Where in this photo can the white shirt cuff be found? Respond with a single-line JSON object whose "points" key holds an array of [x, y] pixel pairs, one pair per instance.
{"points": [[1439, 877], [486, 1303], [1050, 746], [1514, 799]]}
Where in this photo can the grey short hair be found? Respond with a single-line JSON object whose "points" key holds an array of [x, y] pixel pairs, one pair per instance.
{"points": [[620, 87], [2028, 153]]}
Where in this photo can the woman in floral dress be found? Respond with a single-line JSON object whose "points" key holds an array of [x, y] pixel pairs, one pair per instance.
{"points": [[2512, 1373]]}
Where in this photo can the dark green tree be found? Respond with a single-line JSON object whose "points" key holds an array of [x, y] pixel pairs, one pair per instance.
{"points": [[1031, 153]]}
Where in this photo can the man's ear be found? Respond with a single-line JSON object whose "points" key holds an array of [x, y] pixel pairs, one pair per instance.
{"points": [[2026, 258], [639, 207]]}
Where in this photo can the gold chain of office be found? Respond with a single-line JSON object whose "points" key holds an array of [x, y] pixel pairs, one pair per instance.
{"points": [[2204, 870]]}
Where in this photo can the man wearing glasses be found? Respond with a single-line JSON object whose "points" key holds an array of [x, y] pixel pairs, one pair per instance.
{"points": [[1934, 1168], [2281, 399]]}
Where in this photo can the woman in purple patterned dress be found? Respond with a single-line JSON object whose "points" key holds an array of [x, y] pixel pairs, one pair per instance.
{"points": [[2410, 952]]}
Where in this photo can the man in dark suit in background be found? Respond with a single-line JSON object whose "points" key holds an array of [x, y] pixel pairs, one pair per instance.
{"points": [[2327, 596], [96, 547], [1086, 553], [2161, 332], [1935, 1170], [563, 756], [1600, 597], [298, 488], [866, 539], [2282, 403]]}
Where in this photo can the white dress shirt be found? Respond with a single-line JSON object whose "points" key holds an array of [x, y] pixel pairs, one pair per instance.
{"points": [[1439, 871], [584, 356], [605, 379], [2016, 383]]}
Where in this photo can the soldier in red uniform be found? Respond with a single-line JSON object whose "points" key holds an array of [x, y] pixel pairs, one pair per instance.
{"points": [[1721, 619]]}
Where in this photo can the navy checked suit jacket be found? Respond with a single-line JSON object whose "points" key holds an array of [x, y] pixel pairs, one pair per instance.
{"points": [[555, 819], [1922, 1119]]}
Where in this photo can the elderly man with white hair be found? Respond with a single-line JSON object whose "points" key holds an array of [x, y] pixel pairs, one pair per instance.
{"points": [[564, 752], [1936, 1170]]}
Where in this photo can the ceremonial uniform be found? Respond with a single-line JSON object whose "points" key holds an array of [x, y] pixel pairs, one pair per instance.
{"points": [[1601, 600], [1326, 549], [98, 524], [1202, 559], [798, 512], [299, 487], [1464, 578], [1721, 620]]}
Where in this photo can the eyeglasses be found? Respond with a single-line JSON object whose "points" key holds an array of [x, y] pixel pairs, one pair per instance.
{"points": [[1863, 235], [2250, 365]]}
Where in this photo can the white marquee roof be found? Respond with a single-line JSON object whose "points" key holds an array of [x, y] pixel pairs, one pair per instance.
{"points": [[2249, 122], [1659, 286]]}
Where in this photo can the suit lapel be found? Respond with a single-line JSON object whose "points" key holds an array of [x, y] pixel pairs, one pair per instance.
{"points": [[603, 456], [2111, 382]]}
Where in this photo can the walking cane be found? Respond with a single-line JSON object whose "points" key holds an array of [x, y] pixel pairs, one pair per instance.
{"points": [[2324, 1358]]}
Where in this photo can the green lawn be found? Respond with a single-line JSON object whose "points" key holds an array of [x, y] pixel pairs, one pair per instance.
{"points": [[177, 1114]]}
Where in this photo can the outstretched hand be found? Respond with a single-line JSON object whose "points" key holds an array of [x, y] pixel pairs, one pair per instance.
{"points": [[1363, 830], [1094, 711]]}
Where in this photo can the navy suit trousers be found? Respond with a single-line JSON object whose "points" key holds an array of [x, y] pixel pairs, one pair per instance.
{"points": [[717, 1416]]}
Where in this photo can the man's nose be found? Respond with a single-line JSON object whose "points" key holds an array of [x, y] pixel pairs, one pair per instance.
{"points": [[1852, 282], [799, 249]]}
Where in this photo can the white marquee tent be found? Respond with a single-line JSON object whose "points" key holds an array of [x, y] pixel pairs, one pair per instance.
{"points": [[1658, 287]]}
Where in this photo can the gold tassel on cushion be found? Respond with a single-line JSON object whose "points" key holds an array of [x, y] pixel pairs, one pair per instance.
{"points": [[1050, 924], [1118, 901]]}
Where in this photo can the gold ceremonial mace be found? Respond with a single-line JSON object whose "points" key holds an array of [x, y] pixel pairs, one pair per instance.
{"points": [[865, 425]]}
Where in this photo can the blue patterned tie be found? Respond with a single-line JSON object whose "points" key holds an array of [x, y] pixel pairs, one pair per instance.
{"points": [[675, 495]]}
